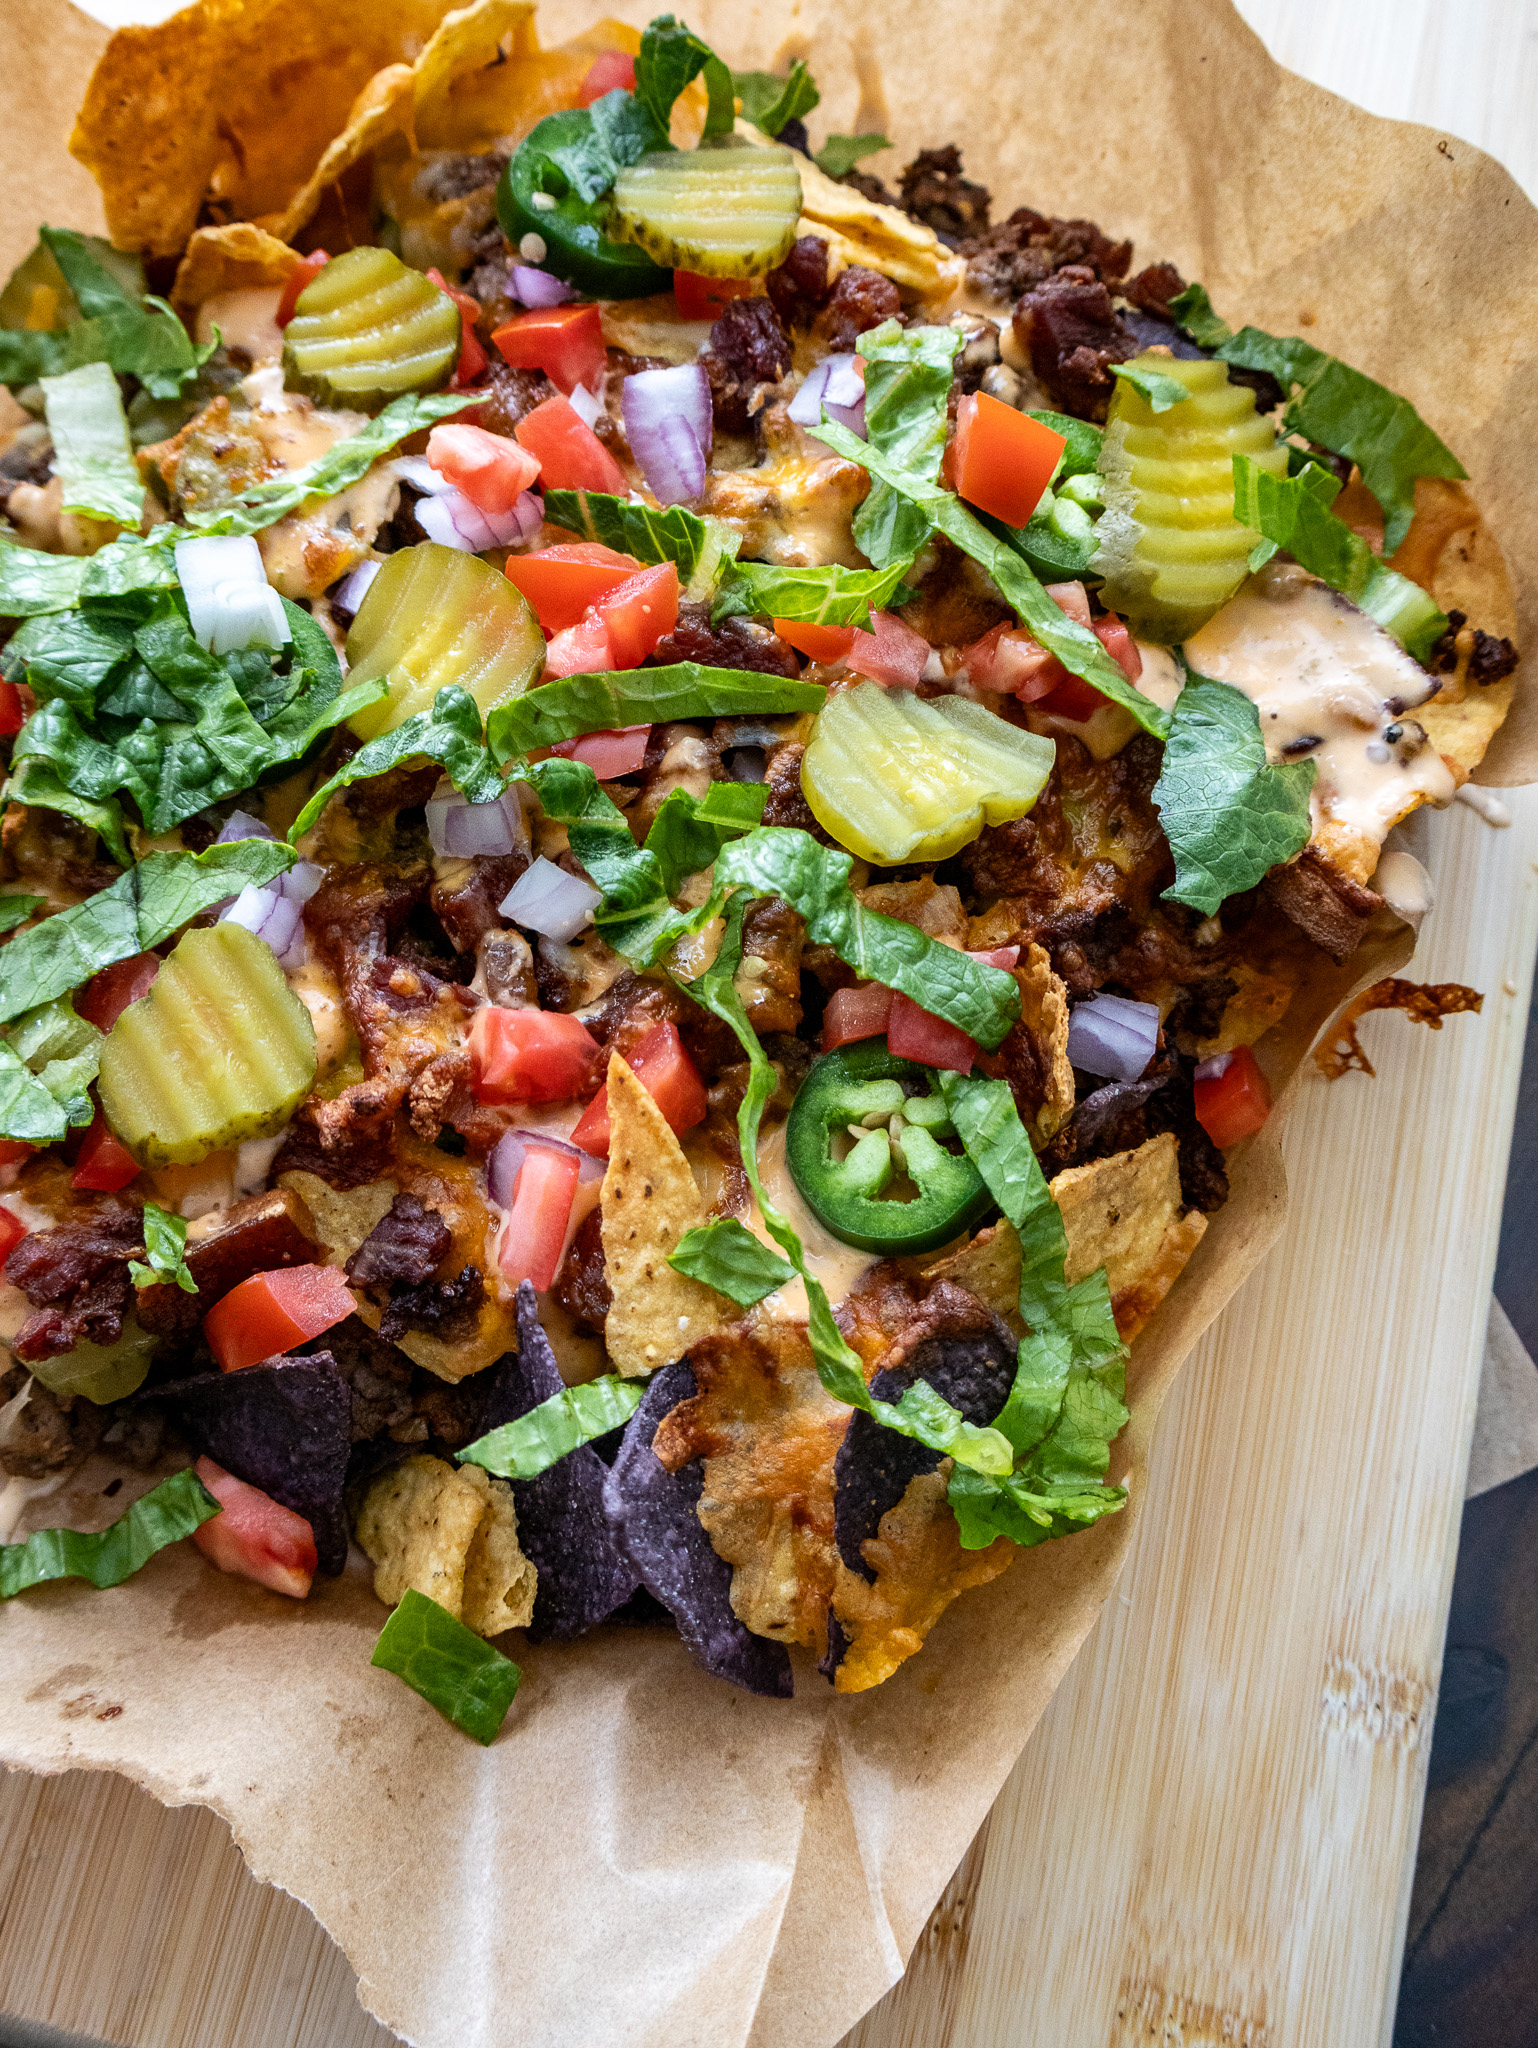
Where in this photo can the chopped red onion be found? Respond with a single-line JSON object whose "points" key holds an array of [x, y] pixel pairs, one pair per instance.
{"points": [[453, 520], [669, 424], [534, 287], [417, 471], [547, 900], [241, 825], [837, 387], [463, 830], [355, 588], [1113, 1036], [273, 918], [230, 604], [300, 882], [1210, 1069], [505, 1162]]}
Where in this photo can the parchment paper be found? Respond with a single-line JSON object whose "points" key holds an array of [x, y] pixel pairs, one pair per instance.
{"points": [[647, 1857]]}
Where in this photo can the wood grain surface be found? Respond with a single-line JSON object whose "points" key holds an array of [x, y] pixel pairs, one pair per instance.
{"points": [[1210, 1839]]}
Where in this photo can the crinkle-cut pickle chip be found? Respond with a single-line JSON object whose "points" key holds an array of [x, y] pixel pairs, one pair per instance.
{"points": [[895, 777], [219, 1051], [435, 616], [720, 212], [366, 329], [1171, 550]]}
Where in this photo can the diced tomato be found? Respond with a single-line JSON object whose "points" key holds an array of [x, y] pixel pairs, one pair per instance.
{"points": [[566, 342], [913, 1034], [1234, 1104], [639, 613], [1113, 636], [104, 1165], [893, 653], [702, 298], [1003, 460], [472, 357], [1000, 956], [609, 753], [107, 995], [1008, 659], [271, 1312], [534, 1235], [580, 650], [12, 1231], [819, 643], [563, 582], [304, 273], [668, 1075], [252, 1537], [14, 1150], [530, 1056], [611, 71], [1072, 599], [571, 456], [492, 471], [1073, 698], [16, 707], [860, 1012]]}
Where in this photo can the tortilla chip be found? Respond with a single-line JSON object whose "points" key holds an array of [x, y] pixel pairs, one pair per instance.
{"points": [[344, 1220], [240, 257], [1259, 1000], [453, 1535], [1451, 551], [932, 907], [649, 1200], [988, 1267], [497, 105], [1340, 1051], [860, 230], [1044, 1016]]}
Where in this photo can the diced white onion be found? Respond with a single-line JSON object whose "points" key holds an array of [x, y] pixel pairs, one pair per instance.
{"points": [[462, 830], [356, 587], [547, 900], [272, 918], [417, 471], [241, 825], [300, 881], [1113, 1036], [230, 603], [587, 405]]}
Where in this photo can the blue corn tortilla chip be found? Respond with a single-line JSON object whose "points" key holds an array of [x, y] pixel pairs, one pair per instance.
{"points": [[652, 1513], [967, 1355], [584, 1574], [284, 1427]]}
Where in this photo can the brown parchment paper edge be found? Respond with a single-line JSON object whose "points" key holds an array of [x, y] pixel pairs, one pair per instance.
{"points": [[478, 1896]]}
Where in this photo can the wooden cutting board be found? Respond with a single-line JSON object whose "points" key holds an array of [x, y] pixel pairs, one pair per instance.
{"points": [[1210, 1838]]}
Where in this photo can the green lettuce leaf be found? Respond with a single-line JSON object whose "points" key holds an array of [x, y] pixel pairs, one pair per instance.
{"points": [[1161, 391], [1193, 312], [49, 1061], [727, 1256], [688, 831], [1228, 814], [1074, 645], [699, 546], [779, 860], [92, 453], [27, 1109], [449, 734], [814, 597], [769, 102], [165, 1247], [671, 57], [32, 582], [137, 335], [575, 705], [908, 378], [921, 1413], [1293, 512], [1065, 1406], [840, 153], [532, 1443], [142, 907], [453, 1668], [166, 1514], [15, 910]]}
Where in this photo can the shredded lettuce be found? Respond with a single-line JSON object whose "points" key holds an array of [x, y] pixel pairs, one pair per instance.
{"points": [[118, 324], [688, 832], [1159, 390], [1293, 512], [779, 860], [727, 1256], [769, 102], [92, 454], [1065, 1407], [166, 1514], [908, 378], [575, 705], [532, 1443], [48, 1060], [165, 1247], [15, 910], [1228, 814], [921, 1413], [449, 734], [454, 1669], [816, 597], [1338, 407], [840, 153], [698, 546], [142, 907], [1075, 646], [671, 57]]}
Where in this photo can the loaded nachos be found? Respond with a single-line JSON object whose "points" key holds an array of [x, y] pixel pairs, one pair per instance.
{"points": [[658, 802]]}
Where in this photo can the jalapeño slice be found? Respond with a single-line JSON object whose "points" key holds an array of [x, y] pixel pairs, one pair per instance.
{"points": [[902, 1118], [567, 160]]}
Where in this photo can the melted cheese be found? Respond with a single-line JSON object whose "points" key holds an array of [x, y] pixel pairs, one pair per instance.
{"points": [[246, 320], [1331, 687]]}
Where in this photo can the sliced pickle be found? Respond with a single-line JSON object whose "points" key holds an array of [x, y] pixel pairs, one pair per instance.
{"points": [[1171, 550], [220, 1050], [434, 616], [718, 212], [895, 777], [367, 328], [101, 1372]]}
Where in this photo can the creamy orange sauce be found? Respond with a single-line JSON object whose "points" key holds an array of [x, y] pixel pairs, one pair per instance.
{"points": [[837, 1265], [246, 319]]}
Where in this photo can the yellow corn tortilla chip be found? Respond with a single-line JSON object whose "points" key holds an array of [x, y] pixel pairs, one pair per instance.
{"points": [[1044, 1016], [343, 1219], [240, 257], [649, 1199], [451, 1533], [234, 104], [499, 104], [861, 230]]}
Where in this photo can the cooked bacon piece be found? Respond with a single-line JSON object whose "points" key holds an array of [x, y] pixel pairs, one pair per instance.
{"points": [[861, 299], [256, 1236], [76, 1277], [785, 805], [449, 1309], [582, 1285], [735, 643], [934, 191], [1073, 334], [407, 1244], [466, 894], [747, 349], [773, 935], [1422, 1002], [1328, 907], [1153, 288]]}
